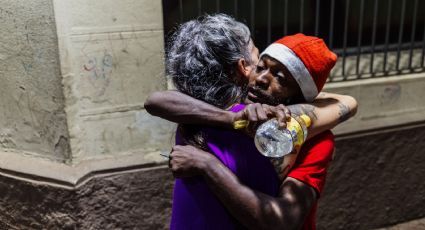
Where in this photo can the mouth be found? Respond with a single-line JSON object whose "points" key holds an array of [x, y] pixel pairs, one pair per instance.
{"points": [[257, 95]]}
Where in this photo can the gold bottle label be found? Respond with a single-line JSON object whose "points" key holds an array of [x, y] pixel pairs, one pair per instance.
{"points": [[294, 127]]}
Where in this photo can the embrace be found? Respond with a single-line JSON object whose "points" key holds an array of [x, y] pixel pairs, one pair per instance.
{"points": [[222, 181]]}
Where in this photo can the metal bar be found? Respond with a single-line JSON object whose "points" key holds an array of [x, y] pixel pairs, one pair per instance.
{"points": [[235, 12], [269, 21], [344, 53], [302, 16], [372, 54], [359, 37], [252, 18], [316, 30], [181, 10], [199, 7], [217, 4], [285, 29], [387, 34], [423, 49], [412, 37], [400, 35], [331, 25]]}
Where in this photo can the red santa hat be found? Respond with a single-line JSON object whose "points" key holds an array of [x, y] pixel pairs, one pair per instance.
{"points": [[307, 58]]}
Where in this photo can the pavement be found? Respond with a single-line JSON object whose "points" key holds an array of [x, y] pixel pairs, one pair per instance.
{"points": [[411, 225]]}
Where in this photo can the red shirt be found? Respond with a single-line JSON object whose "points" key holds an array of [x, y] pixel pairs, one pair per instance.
{"points": [[311, 168]]}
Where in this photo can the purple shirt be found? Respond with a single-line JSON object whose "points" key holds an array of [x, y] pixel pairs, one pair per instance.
{"points": [[196, 207]]}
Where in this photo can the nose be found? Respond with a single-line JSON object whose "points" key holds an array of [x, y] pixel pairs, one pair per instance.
{"points": [[263, 80]]}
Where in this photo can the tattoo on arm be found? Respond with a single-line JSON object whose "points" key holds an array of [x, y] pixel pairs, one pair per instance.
{"points": [[344, 112], [309, 110], [279, 167], [277, 163]]}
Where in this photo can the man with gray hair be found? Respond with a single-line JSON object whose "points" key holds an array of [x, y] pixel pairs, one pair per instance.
{"points": [[203, 55], [213, 59]]}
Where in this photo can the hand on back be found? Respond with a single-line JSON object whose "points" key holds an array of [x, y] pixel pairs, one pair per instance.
{"points": [[187, 161]]}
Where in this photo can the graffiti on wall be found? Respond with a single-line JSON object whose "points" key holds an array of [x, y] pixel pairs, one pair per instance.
{"points": [[98, 71]]}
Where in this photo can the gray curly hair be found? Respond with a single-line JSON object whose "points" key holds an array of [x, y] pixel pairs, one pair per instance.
{"points": [[202, 57]]}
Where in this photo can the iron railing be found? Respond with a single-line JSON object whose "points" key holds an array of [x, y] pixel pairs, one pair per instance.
{"points": [[373, 38]]}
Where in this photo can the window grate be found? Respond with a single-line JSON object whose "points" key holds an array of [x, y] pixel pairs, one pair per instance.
{"points": [[373, 38]]}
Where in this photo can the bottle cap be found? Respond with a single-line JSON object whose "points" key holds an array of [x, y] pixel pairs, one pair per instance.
{"points": [[306, 119]]}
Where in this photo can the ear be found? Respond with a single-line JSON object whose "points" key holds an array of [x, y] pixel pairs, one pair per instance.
{"points": [[244, 68]]}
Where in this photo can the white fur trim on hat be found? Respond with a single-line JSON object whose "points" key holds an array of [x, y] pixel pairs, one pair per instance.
{"points": [[295, 66]]}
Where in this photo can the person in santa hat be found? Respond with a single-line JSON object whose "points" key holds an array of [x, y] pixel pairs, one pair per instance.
{"points": [[291, 70], [234, 173]]}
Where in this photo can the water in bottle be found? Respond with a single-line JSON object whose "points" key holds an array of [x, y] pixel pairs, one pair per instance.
{"points": [[272, 141]]}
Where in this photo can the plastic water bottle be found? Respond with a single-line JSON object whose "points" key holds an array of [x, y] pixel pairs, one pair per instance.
{"points": [[274, 142]]}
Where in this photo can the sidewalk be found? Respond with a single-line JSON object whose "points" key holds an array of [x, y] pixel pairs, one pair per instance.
{"points": [[412, 225]]}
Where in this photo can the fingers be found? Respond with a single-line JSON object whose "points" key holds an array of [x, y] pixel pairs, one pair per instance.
{"points": [[171, 160], [251, 113], [255, 112], [258, 113], [173, 163], [170, 157], [185, 161], [282, 114], [261, 113]]}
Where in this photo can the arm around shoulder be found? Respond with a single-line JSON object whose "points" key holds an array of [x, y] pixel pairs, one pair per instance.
{"points": [[348, 102], [326, 111], [178, 107]]}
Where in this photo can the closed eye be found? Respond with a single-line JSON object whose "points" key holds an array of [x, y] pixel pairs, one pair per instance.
{"points": [[259, 68]]}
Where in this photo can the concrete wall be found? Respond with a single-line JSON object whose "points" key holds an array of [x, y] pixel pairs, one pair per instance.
{"points": [[111, 58], [32, 117], [132, 199], [377, 176], [75, 75], [375, 180], [383, 102]]}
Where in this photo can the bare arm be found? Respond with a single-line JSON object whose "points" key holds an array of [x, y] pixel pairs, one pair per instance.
{"points": [[257, 210], [326, 111], [253, 209], [183, 109]]}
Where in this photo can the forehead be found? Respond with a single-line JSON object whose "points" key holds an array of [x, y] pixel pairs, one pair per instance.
{"points": [[252, 47], [273, 63]]}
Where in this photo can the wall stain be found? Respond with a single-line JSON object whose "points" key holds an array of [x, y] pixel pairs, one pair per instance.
{"points": [[390, 95]]}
